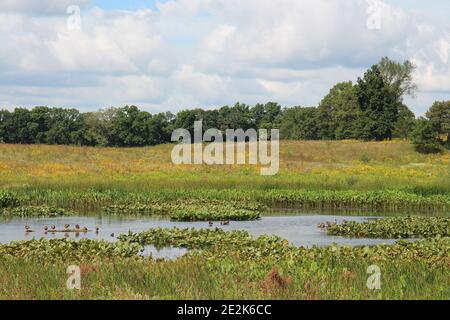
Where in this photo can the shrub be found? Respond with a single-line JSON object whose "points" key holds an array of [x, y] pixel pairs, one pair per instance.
{"points": [[425, 138]]}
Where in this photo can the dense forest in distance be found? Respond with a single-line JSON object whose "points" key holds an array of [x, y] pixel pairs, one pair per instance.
{"points": [[370, 110]]}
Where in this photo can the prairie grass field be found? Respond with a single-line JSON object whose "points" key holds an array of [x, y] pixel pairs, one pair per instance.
{"points": [[341, 165], [374, 175], [349, 176]]}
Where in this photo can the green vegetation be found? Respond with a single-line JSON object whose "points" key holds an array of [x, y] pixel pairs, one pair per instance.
{"points": [[223, 265], [217, 243], [439, 115], [71, 251], [372, 109], [35, 211], [319, 175], [394, 228], [425, 137], [188, 209], [8, 199], [237, 202]]}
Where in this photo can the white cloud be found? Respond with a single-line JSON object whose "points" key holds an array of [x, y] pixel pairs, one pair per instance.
{"points": [[40, 6], [209, 52]]}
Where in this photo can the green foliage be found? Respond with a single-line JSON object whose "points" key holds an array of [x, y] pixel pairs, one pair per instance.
{"points": [[191, 209], [378, 106], [8, 199], [222, 265], [398, 76], [366, 111], [374, 200], [72, 251], [167, 202], [338, 113], [405, 123], [299, 124], [219, 244], [394, 228], [41, 125], [439, 115], [35, 211], [425, 137]]}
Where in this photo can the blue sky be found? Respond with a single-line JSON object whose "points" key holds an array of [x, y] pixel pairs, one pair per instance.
{"points": [[197, 53], [125, 4], [435, 5]]}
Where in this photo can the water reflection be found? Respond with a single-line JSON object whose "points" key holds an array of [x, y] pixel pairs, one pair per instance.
{"points": [[298, 230]]}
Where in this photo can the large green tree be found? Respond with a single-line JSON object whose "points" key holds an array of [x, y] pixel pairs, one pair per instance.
{"points": [[338, 113], [298, 124], [265, 116], [129, 127], [439, 115], [425, 137], [379, 106], [405, 122], [399, 77]]}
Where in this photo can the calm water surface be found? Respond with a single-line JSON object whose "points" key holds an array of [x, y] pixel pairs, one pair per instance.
{"points": [[298, 230]]}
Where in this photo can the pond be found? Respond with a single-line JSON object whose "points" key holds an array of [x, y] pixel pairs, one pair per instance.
{"points": [[300, 230]]}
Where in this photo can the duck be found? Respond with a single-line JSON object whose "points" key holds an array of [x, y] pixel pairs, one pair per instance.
{"points": [[112, 235], [53, 227], [27, 229], [225, 223], [85, 229], [210, 223], [66, 226], [97, 229], [45, 228], [77, 227]]}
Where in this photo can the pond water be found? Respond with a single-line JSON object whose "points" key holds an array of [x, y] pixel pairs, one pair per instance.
{"points": [[299, 230]]}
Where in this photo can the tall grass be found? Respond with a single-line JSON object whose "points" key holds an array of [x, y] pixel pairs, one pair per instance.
{"points": [[313, 175], [384, 200], [263, 268]]}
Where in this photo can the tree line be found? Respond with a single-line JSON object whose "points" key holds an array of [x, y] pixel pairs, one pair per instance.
{"points": [[372, 109]]}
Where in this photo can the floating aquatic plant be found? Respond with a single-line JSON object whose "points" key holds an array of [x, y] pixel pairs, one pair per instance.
{"points": [[393, 227], [35, 211]]}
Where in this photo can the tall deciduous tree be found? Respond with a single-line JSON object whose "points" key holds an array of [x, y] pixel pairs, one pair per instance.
{"points": [[405, 123], [338, 113], [398, 77], [299, 124], [439, 115], [379, 106]]}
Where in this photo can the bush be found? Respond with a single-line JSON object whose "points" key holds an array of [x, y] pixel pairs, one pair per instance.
{"points": [[425, 138]]}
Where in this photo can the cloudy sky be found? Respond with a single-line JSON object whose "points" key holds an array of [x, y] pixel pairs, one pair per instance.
{"points": [[176, 54]]}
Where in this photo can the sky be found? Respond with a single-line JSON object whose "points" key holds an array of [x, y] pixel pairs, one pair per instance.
{"points": [[176, 54]]}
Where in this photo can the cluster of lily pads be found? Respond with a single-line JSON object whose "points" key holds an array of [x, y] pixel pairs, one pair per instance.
{"points": [[123, 201], [219, 244], [393, 228], [374, 200], [12, 206], [192, 209], [35, 211]]}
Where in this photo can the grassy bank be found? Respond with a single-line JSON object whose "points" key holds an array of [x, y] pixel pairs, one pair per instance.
{"points": [[236, 203], [313, 175], [340, 165], [223, 266]]}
